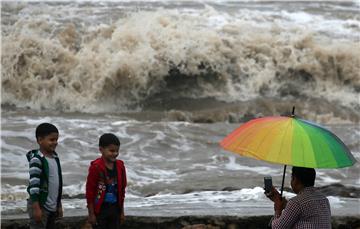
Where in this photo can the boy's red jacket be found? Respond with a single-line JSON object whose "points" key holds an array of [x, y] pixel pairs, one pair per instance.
{"points": [[95, 183]]}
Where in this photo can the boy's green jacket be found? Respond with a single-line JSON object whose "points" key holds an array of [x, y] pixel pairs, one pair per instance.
{"points": [[39, 177]]}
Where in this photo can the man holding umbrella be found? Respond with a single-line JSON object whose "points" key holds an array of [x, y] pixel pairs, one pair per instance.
{"points": [[289, 140], [309, 209]]}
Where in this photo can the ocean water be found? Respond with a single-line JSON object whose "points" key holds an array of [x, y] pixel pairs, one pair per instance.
{"points": [[171, 79], [172, 167], [126, 56]]}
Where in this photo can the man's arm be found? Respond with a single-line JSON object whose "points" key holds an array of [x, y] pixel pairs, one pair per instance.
{"points": [[288, 217]]}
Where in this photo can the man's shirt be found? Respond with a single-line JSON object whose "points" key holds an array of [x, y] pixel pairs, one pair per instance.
{"points": [[308, 210]]}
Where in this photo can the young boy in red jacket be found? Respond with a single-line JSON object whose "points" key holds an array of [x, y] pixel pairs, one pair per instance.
{"points": [[105, 186]]}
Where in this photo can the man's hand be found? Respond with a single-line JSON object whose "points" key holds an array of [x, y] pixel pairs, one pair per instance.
{"points": [[280, 204], [273, 195], [92, 219], [37, 212]]}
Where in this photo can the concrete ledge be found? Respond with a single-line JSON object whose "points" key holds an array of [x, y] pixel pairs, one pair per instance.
{"points": [[186, 222]]}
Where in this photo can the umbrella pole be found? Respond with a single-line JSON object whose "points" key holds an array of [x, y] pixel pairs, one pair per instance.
{"points": [[282, 184]]}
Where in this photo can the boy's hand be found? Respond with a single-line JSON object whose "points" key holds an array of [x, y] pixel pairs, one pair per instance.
{"points": [[60, 212], [37, 212], [92, 219], [122, 218]]}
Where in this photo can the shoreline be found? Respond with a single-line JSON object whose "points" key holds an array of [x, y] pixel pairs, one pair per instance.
{"points": [[187, 222]]}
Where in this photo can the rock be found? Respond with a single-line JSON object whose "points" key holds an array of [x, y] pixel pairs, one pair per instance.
{"points": [[231, 226], [196, 226], [201, 226]]}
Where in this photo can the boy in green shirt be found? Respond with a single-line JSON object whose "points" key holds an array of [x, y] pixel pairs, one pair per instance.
{"points": [[45, 183]]}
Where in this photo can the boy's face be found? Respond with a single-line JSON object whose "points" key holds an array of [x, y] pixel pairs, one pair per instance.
{"points": [[48, 143], [110, 152]]}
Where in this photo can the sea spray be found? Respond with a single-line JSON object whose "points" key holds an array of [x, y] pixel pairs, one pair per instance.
{"points": [[118, 60]]}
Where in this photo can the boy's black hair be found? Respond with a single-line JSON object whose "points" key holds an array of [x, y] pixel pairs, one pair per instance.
{"points": [[45, 129], [108, 139], [305, 175]]}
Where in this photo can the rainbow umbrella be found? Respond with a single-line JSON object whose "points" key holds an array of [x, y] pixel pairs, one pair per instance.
{"points": [[289, 141]]}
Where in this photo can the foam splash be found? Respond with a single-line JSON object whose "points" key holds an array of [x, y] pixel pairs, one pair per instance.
{"points": [[232, 165], [120, 64]]}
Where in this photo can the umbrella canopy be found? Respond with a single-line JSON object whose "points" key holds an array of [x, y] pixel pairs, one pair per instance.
{"points": [[289, 141]]}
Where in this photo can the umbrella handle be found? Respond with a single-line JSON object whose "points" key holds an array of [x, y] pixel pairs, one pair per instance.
{"points": [[282, 183], [293, 112]]}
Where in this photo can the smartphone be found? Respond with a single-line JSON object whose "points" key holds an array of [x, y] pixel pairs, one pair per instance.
{"points": [[267, 184]]}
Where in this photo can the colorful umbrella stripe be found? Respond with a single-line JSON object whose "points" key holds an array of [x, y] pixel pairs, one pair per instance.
{"points": [[289, 141]]}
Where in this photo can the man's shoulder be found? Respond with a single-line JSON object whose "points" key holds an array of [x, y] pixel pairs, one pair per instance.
{"points": [[308, 195], [296, 199]]}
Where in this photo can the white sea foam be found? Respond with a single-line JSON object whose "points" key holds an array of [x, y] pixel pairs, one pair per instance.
{"points": [[121, 62], [13, 193], [336, 202], [36, 121], [325, 179], [12, 148], [215, 198], [232, 165], [356, 154], [112, 57], [74, 189]]}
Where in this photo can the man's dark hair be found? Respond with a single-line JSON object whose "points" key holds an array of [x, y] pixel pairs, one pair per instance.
{"points": [[45, 129], [305, 175], [108, 139]]}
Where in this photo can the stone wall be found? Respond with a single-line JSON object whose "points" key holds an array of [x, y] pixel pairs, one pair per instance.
{"points": [[183, 222]]}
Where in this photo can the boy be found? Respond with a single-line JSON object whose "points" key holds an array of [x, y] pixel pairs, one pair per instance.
{"points": [[105, 186], [45, 184]]}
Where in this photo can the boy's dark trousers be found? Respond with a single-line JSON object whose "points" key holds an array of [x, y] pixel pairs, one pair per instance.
{"points": [[109, 217], [47, 218]]}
